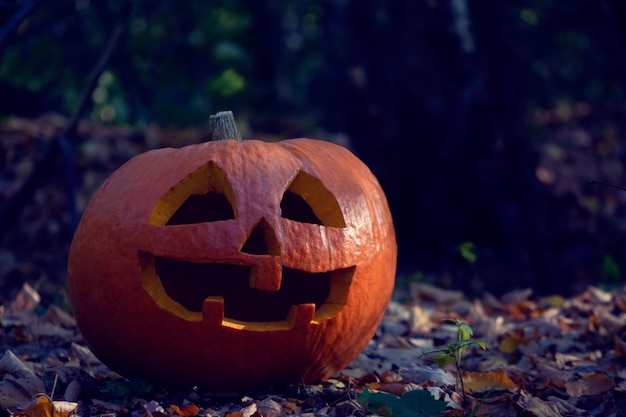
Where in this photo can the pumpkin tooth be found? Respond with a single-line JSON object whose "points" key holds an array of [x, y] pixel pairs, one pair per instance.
{"points": [[213, 311], [301, 315]]}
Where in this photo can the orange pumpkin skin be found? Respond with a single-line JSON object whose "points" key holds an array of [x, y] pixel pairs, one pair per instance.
{"points": [[170, 333]]}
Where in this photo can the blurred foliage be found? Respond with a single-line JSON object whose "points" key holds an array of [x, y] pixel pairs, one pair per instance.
{"points": [[181, 61], [467, 250], [611, 274]]}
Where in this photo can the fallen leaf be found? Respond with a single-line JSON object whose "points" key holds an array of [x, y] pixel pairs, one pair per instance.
{"points": [[42, 406], [553, 301], [422, 291], [394, 388], [19, 384], [185, 411], [291, 406], [590, 384], [72, 392], [270, 408], [510, 344], [422, 374], [58, 317], [620, 347], [249, 410], [536, 407], [516, 296], [598, 296], [390, 376], [483, 381], [84, 354], [153, 407], [26, 300]]}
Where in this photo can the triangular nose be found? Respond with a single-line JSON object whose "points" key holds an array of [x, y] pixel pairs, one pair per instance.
{"points": [[261, 240]]}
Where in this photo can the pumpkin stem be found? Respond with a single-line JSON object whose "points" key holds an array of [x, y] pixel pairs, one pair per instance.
{"points": [[222, 126]]}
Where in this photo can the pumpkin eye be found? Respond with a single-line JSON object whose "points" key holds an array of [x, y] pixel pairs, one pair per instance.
{"points": [[307, 200], [205, 195], [209, 207]]}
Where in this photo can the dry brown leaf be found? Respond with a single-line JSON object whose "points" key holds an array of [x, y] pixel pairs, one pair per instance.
{"points": [[419, 320], [42, 406], [620, 302], [620, 347], [422, 291], [185, 411], [395, 388], [553, 301], [598, 295], [516, 296], [19, 383], [590, 384], [73, 390], [510, 344], [26, 300], [548, 372], [291, 406], [270, 408], [483, 381], [609, 323], [249, 410], [390, 376], [58, 317], [536, 407], [568, 324]]}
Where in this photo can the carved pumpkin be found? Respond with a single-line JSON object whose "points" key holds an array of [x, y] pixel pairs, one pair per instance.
{"points": [[233, 263]]}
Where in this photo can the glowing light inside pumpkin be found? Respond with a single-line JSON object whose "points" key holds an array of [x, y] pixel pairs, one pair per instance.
{"points": [[184, 287]]}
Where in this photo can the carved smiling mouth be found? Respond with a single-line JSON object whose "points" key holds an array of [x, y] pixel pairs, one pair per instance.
{"points": [[190, 284]]}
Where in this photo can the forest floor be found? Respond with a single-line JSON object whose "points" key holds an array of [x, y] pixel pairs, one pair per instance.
{"points": [[546, 356]]}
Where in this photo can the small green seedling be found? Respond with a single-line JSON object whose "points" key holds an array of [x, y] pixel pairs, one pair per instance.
{"points": [[611, 275], [467, 250], [454, 351]]}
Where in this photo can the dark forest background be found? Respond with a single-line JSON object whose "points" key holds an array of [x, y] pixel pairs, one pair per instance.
{"points": [[481, 119]]}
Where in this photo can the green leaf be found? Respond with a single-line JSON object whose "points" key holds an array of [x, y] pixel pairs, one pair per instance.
{"points": [[443, 359], [468, 252], [610, 270], [421, 403], [118, 386], [457, 346], [456, 322], [465, 331], [364, 397], [390, 402]]}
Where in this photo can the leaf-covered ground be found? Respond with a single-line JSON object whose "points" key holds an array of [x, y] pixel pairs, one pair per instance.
{"points": [[545, 357]]}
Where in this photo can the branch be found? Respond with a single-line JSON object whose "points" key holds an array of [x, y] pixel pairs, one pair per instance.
{"points": [[9, 4], [16, 19], [96, 72], [62, 143]]}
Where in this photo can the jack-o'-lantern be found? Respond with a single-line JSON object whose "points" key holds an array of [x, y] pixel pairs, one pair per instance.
{"points": [[233, 263]]}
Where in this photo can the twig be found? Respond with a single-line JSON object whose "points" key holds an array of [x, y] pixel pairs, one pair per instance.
{"points": [[9, 4], [95, 74], [63, 144], [16, 19], [607, 184]]}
